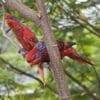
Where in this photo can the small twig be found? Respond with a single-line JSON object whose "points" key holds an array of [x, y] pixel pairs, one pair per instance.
{"points": [[97, 76]]}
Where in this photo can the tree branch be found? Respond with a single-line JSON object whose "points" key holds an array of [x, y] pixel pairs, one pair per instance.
{"points": [[50, 42]]}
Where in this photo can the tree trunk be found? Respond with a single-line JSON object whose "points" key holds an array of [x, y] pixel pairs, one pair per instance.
{"points": [[53, 52]]}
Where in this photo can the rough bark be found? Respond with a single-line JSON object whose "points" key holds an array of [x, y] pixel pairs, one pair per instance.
{"points": [[53, 52]]}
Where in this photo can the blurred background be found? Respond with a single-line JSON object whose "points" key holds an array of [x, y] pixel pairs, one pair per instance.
{"points": [[74, 20]]}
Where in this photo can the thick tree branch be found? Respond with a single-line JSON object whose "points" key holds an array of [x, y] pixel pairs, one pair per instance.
{"points": [[50, 42]]}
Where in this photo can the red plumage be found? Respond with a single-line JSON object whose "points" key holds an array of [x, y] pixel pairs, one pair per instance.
{"points": [[39, 52], [37, 55], [72, 53]]}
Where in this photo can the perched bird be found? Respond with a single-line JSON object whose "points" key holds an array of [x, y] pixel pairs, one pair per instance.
{"points": [[39, 53], [23, 34], [35, 52]]}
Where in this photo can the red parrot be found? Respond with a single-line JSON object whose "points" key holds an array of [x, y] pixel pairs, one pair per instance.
{"points": [[28, 39], [39, 53], [23, 34], [36, 53]]}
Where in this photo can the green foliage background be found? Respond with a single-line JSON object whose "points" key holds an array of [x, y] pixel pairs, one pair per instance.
{"points": [[64, 28]]}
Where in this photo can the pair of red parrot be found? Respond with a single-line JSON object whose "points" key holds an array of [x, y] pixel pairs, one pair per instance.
{"points": [[35, 52]]}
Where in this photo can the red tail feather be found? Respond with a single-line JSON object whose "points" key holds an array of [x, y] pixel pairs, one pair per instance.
{"points": [[72, 53]]}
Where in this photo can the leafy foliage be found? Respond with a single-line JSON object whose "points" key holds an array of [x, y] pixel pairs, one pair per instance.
{"points": [[65, 28]]}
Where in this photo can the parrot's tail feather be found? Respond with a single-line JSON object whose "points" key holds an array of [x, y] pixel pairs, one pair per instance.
{"points": [[83, 60]]}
